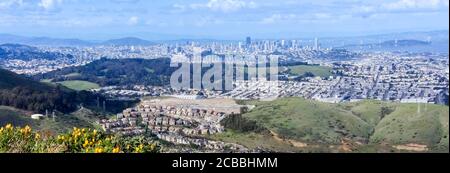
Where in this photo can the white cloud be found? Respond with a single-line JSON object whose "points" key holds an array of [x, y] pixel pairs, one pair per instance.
{"points": [[221, 5], [272, 19], [291, 18], [403, 6], [275, 18], [228, 5], [416, 4], [133, 20], [49, 4], [9, 3]]}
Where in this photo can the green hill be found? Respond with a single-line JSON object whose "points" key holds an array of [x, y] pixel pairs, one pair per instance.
{"points": [[14, 116], [20, 97], [83, 118], [10, 80], [108, 72], [368, 126], [24, 93], [410, 124], [315, 70]]}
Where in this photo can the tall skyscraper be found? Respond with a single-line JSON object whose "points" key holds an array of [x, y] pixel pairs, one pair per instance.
{"points": [[248, 41], [316, 44]]}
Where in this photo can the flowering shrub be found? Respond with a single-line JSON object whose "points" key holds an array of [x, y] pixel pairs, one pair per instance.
{"points": [[24, 140]]}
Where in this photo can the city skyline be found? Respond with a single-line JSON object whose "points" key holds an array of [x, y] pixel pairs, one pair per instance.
{"points": [[214, 19]]}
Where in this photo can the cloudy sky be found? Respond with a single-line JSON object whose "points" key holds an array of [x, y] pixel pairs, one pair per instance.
{"points": [[219, 19]]}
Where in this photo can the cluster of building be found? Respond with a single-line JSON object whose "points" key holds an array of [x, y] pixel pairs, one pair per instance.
{"points": [[305, 50], [179, 125], [407, 79]]}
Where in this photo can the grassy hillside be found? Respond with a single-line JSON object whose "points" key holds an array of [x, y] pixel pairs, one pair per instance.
{"points": [[9, 80], [107, 72], [320, 71], [24, 93], [79, 85], [83, 118], [14, 116], [309, 121], [368, 126], [427, 125]]}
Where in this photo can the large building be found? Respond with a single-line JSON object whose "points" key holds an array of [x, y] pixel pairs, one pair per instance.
{"points": [[248, 41], [316, 44]]}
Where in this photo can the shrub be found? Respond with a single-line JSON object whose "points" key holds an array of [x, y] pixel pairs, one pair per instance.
{"points": [[24, 140]]}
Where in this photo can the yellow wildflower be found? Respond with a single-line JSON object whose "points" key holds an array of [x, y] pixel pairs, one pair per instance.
{"points": [[86, 143], [152, 147], [37, 136], [26, 130], [116, 150], [8, 126], [139, 148], [98, 150]]}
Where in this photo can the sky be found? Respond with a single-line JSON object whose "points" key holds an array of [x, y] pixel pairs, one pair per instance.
{"points": [[219, 19]]}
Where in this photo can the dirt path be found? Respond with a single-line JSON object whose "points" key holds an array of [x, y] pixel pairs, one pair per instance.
{"points": [[412, 147], [292, 142]]}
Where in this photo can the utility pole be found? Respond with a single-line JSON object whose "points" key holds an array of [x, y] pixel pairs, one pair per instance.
{"points": [[98, 102], [54, 116]]}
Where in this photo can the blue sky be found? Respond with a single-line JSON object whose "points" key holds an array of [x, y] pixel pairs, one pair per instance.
{"points": [[219, 19]]}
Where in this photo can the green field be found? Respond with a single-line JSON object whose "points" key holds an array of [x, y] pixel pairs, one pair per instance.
{"points": [[73, 75], [79, 85], [46, 80], [375, 126], [320, 71]]}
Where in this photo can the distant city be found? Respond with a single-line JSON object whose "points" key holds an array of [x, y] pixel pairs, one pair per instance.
{"points": [[353, 75]]}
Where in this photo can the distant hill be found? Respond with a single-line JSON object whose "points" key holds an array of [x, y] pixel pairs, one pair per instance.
{"points": [[24, 52], [128, 41], [413, 42], [107, 72], [46, 41], [394, 43], [412, 46], [41, 41]]}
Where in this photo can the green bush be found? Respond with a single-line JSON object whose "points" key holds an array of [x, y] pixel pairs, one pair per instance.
{"points": [[24, 140]]}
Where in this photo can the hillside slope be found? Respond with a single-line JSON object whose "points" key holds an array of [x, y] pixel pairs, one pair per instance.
{"points": [[107, 72], [9, 80], [26, 94], [352, 126]]}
